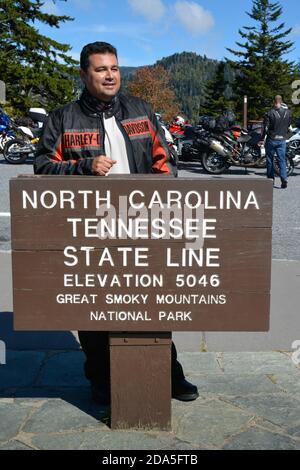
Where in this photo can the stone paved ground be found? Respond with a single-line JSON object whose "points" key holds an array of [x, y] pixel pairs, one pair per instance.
{"points": [[247, 401]]}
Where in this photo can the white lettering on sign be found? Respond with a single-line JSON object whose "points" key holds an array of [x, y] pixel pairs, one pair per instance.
{"points": [[129, 255], [208, 257], [139, 228], [175, 316], [114, 280], [126, 298], [191, 299], [76, 298], [64, 199], [119, 316]]}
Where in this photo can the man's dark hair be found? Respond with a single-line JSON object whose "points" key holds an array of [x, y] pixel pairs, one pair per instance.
{"points": [[95, 48]]}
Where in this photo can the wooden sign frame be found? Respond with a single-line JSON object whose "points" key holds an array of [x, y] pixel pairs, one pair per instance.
{"points": [[217, 283], [214, 260]]}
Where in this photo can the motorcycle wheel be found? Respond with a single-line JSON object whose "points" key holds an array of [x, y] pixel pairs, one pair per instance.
{"points": [[261, 163], [289, 166], [12, 151], [4, 140], [213, 163]]}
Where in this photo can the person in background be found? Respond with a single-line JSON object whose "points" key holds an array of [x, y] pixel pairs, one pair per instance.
{"points": [[177, 125], [276, 128]]}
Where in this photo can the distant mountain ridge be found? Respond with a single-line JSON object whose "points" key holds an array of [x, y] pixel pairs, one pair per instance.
{"points": [[190, 73]]}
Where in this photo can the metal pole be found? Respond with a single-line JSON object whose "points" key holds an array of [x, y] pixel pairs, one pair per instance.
{"points": [[245, 111], [2, 92]]}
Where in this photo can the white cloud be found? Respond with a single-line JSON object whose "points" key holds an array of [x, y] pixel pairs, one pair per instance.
{"points": [[127, 62], [194, 17], [296, 30], [101, 28], [130, 30], [152, 10], [86, 5], [51, 8]]}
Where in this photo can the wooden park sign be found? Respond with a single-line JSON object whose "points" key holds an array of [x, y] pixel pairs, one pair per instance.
{"points": [[141, 253], [173, 254]]}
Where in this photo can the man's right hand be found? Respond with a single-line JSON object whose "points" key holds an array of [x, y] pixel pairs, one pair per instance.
{"points": [[101, 165]]}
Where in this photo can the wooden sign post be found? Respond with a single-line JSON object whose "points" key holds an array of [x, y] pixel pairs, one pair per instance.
{"points": [[141, 254]]}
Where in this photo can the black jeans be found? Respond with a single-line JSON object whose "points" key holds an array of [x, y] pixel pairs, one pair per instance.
{"points": [[95, 345]]}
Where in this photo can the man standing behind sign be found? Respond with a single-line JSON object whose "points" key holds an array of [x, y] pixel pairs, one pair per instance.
{"points": [[93, 136], [276, 124]]}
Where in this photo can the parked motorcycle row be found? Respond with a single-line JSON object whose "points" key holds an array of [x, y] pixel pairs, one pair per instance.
{"points": [[220, 147], [216, 145], [18, 141], [293, 146]]}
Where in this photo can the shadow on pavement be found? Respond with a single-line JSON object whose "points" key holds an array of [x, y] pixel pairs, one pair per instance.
{"points": [[33, 340], [44, 365]]}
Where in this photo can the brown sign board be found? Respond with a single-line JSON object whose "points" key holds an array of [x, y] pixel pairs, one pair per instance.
{"points": [[141, 253]]}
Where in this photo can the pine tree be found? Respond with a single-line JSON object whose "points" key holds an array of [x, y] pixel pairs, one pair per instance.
{"points": [[153, 85], [36, 69], [189, 73], [218, 92], [262, 70]]}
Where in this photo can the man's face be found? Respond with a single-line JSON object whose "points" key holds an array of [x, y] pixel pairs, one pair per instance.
{"points": [[102, 77]]}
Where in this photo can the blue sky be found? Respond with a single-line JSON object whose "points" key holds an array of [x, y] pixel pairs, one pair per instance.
{"points": [[144, 31]]}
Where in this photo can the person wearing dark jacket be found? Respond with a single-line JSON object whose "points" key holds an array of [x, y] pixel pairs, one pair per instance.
{"points": [[106, 132], [276, 123]]}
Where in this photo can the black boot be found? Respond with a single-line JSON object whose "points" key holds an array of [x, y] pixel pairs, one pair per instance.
{"points": [[181, 389]]}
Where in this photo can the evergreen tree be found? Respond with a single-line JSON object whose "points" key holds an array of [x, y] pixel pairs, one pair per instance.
{"points": [[263, 71], [218, 93], [189, 73], [36, 69]]}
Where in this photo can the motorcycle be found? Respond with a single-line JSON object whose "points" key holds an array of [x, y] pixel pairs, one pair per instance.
{"points": [[185, 143], [17, 149], [222, 150], [169, 138], [6, 133], [293, 146], [192, 146]]}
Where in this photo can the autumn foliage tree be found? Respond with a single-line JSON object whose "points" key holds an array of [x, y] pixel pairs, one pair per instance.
{"points": [[153, 85]]}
